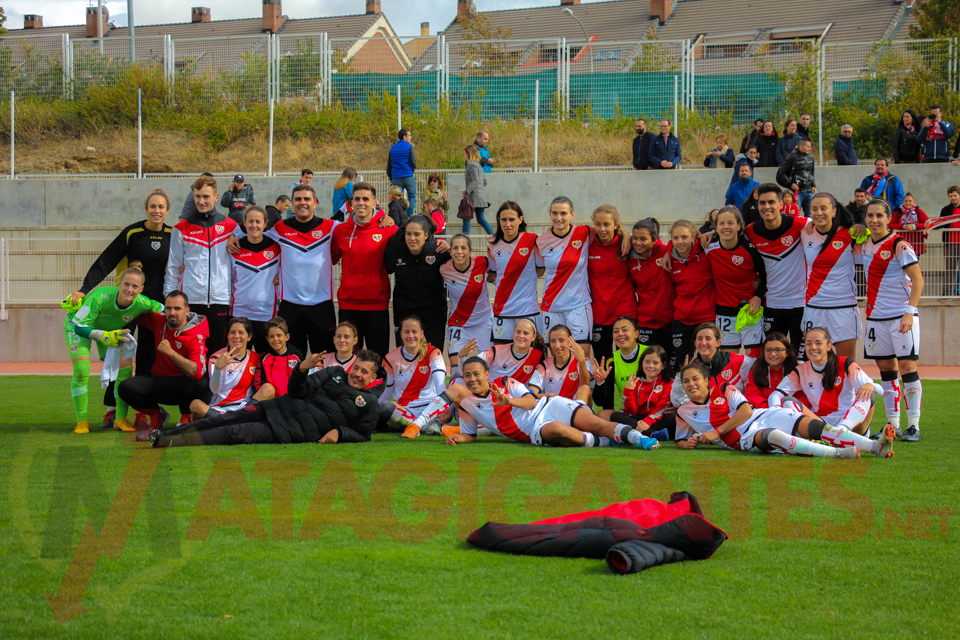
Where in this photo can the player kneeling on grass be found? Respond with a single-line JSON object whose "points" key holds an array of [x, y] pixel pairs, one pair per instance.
{"points": [[507, 408], [235, 374], [327, 407], [101, 318], [720, 414]]}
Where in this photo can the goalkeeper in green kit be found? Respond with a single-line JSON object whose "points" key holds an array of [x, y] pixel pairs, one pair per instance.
{"points": [[101, 318]]}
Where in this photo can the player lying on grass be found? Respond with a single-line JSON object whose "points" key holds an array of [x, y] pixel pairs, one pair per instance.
{"points": [[328, 407], [101, 318], [507, 408], [719, 414]]}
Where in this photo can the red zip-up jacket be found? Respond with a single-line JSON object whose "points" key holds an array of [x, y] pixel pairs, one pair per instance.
{"points": [[653, 287], [695, 296], [190, 342], [610, 285], [758, 396], [359, 248], [648, 400]]}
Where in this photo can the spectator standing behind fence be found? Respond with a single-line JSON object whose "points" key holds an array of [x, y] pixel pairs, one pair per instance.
{"points": [[858, 206], [739, 191], [483, 141], [342, 192], [951, 242], [797, 174], [306, 177], [767, 145], [397, 206], [906, 148], [437, 190], [935, 136], [278, 210], [721, 156], [843, 147], [665, 148], [788, 142], [911, 221], [641, 146], [475, 188], [881, 184], [237, 198], [189, 206], [401, 163], [751, 157], [803, 125], [750, 139]]}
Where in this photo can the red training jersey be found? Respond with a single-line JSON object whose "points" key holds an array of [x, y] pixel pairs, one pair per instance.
{"points": [[653, 287], [695, 295], [734, 273], [610, 286]]}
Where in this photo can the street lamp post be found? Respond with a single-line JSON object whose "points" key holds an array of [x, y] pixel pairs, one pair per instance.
{"points": [[569, 12]]}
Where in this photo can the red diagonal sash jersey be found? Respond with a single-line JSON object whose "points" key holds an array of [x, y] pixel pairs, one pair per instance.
{"points": [[565, 280], [888, 285], [721, 405], [235, 382], [830, 271], [562, 381], [509, 422], [415, 380], [504, 362], [254, 268], [831, 405], [306, 268], [469, 300], [784, 260], [515, 264]]}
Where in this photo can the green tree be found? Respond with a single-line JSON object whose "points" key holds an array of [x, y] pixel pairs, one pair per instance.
{"points": [[936, 19], [3, 19]]}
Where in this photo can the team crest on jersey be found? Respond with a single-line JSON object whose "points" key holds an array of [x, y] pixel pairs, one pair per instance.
{"points": [[884, 255], [268, 255], [643, 338], [837, 381], [424, 370], [527, 368], [478, 278], [155, 245], [573, 375], [726, 374], [177, 342], [787, 240], [74, 348], [837, 244], [127, 318], [431, 259], [317, 233], [676, 341], [218, 228], [252, 370], [577, 244], [377, 237], [524, 251], [719, 401], [360, 402], [737, 260], [658, 388], [291, 364], [659, 262]]}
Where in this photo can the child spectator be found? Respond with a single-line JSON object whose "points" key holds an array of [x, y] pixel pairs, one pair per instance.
{"points": [[397, 209], [431, 209], [789, 205]]}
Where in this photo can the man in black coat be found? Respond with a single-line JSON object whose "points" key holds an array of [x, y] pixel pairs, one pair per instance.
{"points": [[641, 146], [329, 406]]}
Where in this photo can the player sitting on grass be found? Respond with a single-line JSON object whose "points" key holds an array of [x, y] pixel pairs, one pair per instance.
{"points": [[327, 407], [101, 318], [506, 407], [720, 414]]}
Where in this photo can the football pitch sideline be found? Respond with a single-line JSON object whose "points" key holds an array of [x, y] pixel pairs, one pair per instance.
{"points": [[104, 538]]}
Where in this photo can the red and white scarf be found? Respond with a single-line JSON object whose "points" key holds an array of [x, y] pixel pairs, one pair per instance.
{"points": [[934, 132], [909, 216], [877, 179]]}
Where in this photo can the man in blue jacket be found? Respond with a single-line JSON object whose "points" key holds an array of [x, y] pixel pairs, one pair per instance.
{"points": [[935, 137], [483, 147], [881, 184], [740, 190], [665, 148], [843, 147], [401, 163]]}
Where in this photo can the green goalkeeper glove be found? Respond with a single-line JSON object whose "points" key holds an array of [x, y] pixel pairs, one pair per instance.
{"points": [[71, 307], [111, 338]]}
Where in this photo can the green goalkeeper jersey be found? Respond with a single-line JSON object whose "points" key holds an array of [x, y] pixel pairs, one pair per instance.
{"points": [[100, 311]]}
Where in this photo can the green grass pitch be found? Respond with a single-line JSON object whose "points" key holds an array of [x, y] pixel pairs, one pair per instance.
{"points": [[103, 539]]}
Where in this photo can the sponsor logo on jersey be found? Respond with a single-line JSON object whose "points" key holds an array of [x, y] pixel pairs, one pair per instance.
{"points": [[196, 231], [884, 255], [317, 233], [524, 251], [127, 318], [377, 237], [424, 370], [837, 244], [360, 402], [431, 259], [478, 278], [786, 240], [725, 374], [577, 244], [696, 414], [268, 255], [719, 401], [155, 245], [203, 361], [737, 260], [219, 228], [527, 368]]}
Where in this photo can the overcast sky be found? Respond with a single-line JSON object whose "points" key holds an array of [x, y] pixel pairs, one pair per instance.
{"points": [[404, 15]]}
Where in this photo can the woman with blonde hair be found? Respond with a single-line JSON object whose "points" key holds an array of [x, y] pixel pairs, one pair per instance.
{"points": [[721, 157], [475, 188]]}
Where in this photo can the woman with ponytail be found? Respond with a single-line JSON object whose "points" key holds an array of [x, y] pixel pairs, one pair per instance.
{"points": [[608, 271]]}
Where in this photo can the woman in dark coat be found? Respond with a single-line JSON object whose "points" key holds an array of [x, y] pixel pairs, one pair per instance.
{"points": [[767, 145], [906, 149]]}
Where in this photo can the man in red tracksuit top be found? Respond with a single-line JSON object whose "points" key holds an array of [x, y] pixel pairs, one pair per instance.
{"points": [[178, 375], [364, 293]]}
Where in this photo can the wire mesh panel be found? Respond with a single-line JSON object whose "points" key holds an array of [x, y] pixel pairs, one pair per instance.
{"points": [[94, 64], [32, 67], [365, 73], [302, 65], [233, 69], [610, 79]]}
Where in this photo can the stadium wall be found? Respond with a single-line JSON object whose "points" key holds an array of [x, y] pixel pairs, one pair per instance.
{"points": [[666, 195]]}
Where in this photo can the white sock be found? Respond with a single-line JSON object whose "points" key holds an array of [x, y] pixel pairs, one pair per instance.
{"points": [[797, 446], [434, 410], [913, 397], [891, 401], [843, 437], [855, 415], [589, 440], [622, 431]]}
